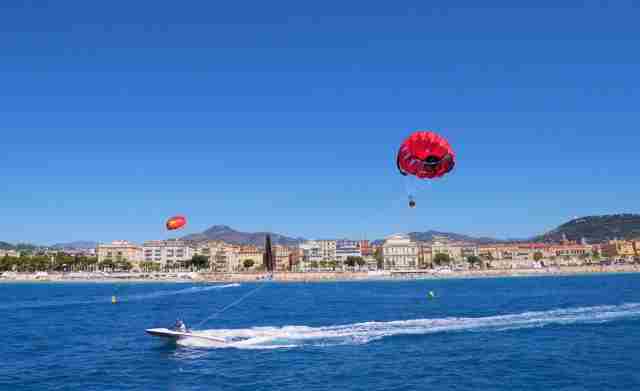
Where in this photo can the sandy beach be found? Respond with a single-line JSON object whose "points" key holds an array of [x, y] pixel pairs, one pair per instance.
{"points": [[315, 276]]}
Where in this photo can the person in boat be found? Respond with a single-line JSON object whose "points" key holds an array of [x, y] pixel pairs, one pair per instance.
{"points": [[180, 326]]}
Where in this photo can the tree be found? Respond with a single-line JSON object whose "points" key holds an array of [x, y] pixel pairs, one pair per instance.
{"points": [[124, 265], [333, 265], [314, 264], [107, 264], [360, 261], [352, 261], [442, 259], [487, 256], [378, 255], [248, 263], [150, 266], [199, 262], [474, 260], [538, 256], [62, 261]]}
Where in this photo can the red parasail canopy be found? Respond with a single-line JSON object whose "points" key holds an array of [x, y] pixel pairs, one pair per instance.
{"points": [[426, 155], [176, 222]]}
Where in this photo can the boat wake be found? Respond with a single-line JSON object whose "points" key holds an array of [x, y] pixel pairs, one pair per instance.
{"points": [[362, 333], [195, 289], [121, 299]]}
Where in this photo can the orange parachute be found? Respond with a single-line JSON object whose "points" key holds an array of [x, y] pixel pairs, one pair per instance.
{"points": [[176, 222]]}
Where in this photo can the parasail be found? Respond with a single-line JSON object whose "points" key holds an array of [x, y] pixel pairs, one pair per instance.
{"points": [[176, 222], [425, 155]]}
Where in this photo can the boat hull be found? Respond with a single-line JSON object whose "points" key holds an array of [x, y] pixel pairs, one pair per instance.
{"points": [[176, 335]]}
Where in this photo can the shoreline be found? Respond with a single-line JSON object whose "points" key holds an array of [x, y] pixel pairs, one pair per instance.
{"points": [[311, 277]]}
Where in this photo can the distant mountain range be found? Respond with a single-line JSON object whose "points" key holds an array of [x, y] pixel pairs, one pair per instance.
{"points": [[19, 246], [229, 235], [429, 235], [596, 229], [80, 245]]}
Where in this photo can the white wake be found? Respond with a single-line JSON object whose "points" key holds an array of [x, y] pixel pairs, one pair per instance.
{"points": [[362, 333]]}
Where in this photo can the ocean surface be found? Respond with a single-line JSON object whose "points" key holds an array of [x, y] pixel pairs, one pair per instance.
{"points": [[560, 333]]}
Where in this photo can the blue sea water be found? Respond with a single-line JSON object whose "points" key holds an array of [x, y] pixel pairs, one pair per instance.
{"points": [[561, 333]]}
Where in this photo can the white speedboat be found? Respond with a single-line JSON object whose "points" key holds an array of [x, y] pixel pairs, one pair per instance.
{"points": [[176, 335]]}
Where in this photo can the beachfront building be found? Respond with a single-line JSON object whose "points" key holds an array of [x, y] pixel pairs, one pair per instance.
{"points": [[252, 253], [9, 253], [619, 249], [425, 255], [400, 252], [310, 255], [371, 263], [365, 248], [572, 250], [440, 245], [295, 259], [223, 257], [119, 251], [228, 259], [534, 255], [283, 257], [328, 249], [171, 252], [311, 251], [345, 249]]}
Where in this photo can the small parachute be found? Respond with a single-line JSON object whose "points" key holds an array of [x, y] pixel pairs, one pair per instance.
{"points": [[425, 155], [176, 222]]}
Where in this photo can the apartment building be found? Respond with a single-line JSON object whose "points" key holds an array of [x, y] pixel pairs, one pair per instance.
{"points": [[167, 252], [119, 250], [400, 252]]}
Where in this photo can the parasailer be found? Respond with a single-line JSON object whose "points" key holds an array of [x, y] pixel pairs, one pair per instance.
{"points": [[425, 155], [176, 222]]}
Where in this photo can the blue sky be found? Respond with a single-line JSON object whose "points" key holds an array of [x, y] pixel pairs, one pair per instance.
{"points": [[285, 116]]}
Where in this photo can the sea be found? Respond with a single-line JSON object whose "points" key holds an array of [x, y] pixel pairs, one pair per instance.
{"points": [[542, 333]]}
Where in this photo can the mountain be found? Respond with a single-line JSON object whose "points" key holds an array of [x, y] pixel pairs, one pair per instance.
{"points": [[79, 245], [18, 247], [596, 229], [229, 235], [428, 236]]}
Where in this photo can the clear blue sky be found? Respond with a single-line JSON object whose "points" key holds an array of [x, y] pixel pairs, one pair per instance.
{"points": [[285, 115]]}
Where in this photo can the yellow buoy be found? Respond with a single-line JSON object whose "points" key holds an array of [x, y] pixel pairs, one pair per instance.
{"points": [[113, 300]]}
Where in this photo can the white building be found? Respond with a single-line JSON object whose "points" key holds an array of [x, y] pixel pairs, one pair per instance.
{"points": [[311, 251], [440, 245], [328, 249], [172, 252], [400, 252], [347, 248]]}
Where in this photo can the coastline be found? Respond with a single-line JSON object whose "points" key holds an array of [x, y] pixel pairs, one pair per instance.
{"points": [[310, 277]]}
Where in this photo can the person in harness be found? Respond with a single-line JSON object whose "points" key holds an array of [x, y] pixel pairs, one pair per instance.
{"points": [[180, 326]]}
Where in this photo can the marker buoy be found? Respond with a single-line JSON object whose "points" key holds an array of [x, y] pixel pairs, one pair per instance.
{"points": [[113, 300], [432, 295]]}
